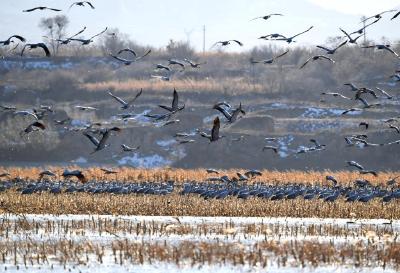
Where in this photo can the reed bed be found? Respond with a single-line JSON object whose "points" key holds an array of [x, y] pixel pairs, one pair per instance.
{"points": [[177, 205]]}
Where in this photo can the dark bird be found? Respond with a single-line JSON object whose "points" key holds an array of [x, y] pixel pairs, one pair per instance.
{"points": [[126, 105], [351, 40], [378, 16], [68, 40], [394, 127], [355, 164], [35, 126], [290, 39], [214, 131], [193, 64], [101, 144], [46, 173], [40, 8], [266, 17], [273, 36], [351, 110], [78, 174], [127, 50], [363, 123], [268, 61], [267, 147], [317, 144], [335, 95], [176, 62], [332, 50], [161, 66], [175, 104], [38, 45], [331, 178], [228, 42], [395, 16], [395, 77], [82, 4], [361, 30], [231, 116], [317, 57], [374, 173], [382, 47], [9, 40], [366, 104], [88, 41]]}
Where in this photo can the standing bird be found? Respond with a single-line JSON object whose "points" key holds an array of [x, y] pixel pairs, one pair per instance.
{"points": [[9, 40], [317, 57], [175, 104], [126, 105], [214, 131], [266, 17], [332, 50], [32, 46], [82, 4], [232, 116], [101, 144], [40, 8]]}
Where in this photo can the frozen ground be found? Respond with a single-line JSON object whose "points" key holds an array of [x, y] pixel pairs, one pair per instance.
{"points": [[239, 233]]}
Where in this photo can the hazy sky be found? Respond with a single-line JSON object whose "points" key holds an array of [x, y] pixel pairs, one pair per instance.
{"points": [[154, 22]]}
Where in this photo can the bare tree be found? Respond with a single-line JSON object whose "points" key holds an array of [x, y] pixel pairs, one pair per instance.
{"points": [[55, 28]]}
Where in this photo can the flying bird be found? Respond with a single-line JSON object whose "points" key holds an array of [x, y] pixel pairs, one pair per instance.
{"points": [[387, 95], [68, 40], [395, 127], [82, 4], [273, 35], [105, 134], [290, 39], [269, 61], [351, 110], [126, 148], [332, 50], [335, 95], [378, 16], [382, 47], [127, 50], [355, 164], [214, 131], [78, 174], [175, 104], [266, 17], [228, 42], [193, 64], [35, 126], [9, 40], [88, 41], [86, 108], [128, 62], [40, 8], [317, 57], [126, 105], [231, 116], [361, 30], [267, 147], [38, 45], [351, 40], [395, 16]]}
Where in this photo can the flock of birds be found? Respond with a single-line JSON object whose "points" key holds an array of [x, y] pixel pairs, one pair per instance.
{"points": [[99, 136]]}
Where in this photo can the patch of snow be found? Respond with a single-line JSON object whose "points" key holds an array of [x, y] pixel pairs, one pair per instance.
{"points": [[151, 161]]}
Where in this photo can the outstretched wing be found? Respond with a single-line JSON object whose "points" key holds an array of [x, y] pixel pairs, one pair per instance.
{"points": [[22, 39], [175, 100], [283, 54], [98, 33], [94, 140], [238, 42], [304, 64], [223, 111], [302, 32], [117, 98], [45, 48], [90, 4], [127, 50], [137, 95]]}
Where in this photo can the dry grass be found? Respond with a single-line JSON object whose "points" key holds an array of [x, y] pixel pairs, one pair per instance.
{"points": [[126, 174], [210, 85]]}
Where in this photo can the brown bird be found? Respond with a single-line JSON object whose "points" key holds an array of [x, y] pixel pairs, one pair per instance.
{"points": [[40, 8], [78, 174], [40, 45]]}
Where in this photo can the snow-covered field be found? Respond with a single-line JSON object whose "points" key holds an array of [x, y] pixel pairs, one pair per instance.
{"points": [[93, 243]]}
